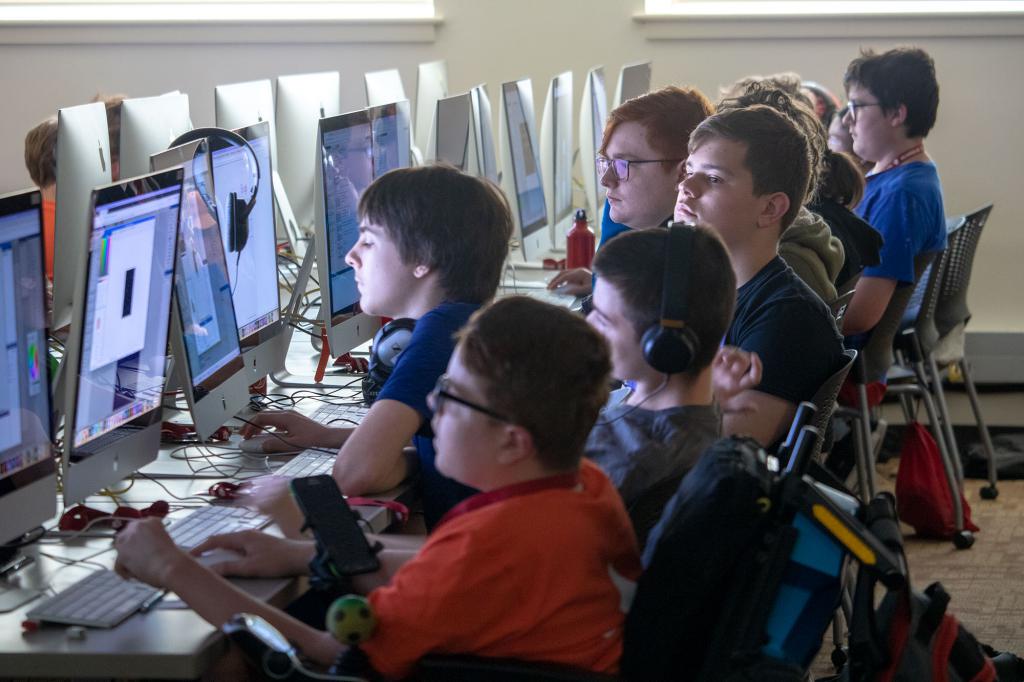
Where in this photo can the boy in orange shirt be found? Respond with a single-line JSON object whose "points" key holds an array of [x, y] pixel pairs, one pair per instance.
{"points": [[539, 566]]}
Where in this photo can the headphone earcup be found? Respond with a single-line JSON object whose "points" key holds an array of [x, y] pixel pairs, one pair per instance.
{"points": [[388, 343], [669, 351], [239, 223]]}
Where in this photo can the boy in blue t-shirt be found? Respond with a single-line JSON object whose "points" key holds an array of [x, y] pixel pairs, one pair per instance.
{"points": [[431, 246], [893, 100]]}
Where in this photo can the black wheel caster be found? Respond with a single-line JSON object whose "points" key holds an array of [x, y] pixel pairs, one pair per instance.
{"points": [[989, 492], [964, 539], [839, 658]]}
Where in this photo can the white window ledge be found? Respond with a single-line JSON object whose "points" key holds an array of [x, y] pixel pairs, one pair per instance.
{"points": [[723, 20], [173, 23]]}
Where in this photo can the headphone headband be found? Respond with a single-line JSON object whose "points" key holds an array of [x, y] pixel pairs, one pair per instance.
{"points": [[670, 345]]}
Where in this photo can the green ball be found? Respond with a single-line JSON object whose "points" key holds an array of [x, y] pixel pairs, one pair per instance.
{"points": [[351, 619]]}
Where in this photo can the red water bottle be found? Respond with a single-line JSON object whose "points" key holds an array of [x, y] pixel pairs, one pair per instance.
{"points": [[580, 242]]}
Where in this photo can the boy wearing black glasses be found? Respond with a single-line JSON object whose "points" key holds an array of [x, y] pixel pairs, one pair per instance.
{"points": [[893, 102], [639, 164], [539, 566]]}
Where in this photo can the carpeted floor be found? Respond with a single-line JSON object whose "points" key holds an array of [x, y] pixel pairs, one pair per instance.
{"points": [[986, 582]]}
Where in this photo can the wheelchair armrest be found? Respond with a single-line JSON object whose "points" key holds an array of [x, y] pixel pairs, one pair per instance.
{"points": [[437, 668]]}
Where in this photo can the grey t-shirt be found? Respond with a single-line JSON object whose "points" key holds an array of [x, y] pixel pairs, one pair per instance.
{"points": [[646, 453]]}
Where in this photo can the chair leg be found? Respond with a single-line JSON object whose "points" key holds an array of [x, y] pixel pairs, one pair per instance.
{"points": [[947, 424], [864, 450], [991, 491]]}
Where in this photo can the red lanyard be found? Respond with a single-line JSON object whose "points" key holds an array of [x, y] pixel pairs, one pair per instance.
{"points": [[910, 153], [570, 480]]}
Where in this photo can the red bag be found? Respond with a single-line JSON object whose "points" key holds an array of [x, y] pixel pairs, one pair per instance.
{"points": [[923, 497]]}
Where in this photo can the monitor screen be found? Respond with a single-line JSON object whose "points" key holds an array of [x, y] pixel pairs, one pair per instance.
{"points": [[390, 137], [348, 168], [201, 281], [252, 269], [123, 355], [484, 136], [24, 388], [525, 169]]}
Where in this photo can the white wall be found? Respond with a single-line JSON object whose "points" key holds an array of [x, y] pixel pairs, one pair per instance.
{"points": [[975, 143]]}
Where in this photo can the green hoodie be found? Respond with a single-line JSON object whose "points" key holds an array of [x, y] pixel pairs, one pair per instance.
{"points": [[815, 255]]}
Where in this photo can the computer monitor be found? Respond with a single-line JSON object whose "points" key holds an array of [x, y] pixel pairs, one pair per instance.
{"points": [[383, 87], [302, 100], [483, 135], [593, 114], [354, 149], [450, 139], [431, 86], [239, 105], [556, 147], [28, 476], [204, 333], [117, 351], [521, 174], [634, 80], [149, 125], [83, 162], [252, 269]]}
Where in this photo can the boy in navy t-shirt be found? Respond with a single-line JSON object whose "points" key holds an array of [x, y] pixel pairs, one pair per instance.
{"points": [[431, 246], [893, 102]]}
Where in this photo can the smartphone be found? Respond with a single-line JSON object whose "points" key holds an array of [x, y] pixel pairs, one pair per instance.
{"points": [[335, 526]]}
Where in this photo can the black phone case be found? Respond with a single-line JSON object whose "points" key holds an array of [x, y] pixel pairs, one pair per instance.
{"points": [[334, 524]]}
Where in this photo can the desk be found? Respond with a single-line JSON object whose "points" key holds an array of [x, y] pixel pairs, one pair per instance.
{"points": [[169, 642]]}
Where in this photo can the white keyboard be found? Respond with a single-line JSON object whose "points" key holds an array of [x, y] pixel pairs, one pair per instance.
{"points": [[213, 520], [101, 599], [543, 294], [339, 416], [307, 463]]}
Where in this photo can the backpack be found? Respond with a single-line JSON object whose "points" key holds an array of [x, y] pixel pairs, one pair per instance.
{"points": [[923, 497]]}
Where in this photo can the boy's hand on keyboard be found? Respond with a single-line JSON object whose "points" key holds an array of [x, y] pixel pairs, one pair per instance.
{"points": [[575, 282], [733, 371], [293, 431], [261, 555], [146, 552]]}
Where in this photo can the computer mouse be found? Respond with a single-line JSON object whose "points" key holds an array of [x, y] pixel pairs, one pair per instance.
{"points": [[255, 444]]}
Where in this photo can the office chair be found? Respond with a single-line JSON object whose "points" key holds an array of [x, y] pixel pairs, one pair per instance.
{"points": [[825, 402]]}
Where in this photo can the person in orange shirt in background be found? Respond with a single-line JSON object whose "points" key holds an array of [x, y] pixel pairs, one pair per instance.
{"points": [[41, 162]]}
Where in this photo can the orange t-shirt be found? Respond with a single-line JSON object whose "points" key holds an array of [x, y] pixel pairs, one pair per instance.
{"points": [[542, 576], [49, 216]]}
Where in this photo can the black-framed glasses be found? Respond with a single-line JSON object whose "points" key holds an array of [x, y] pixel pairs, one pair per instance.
{"points": [[852, 107], [441, 394], [621, 166]]}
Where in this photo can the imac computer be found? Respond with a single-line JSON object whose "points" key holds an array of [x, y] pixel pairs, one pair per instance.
{"points": [[521, 174], [242, 104], [149, 125], [354, 149], [252, 261], [302, 100], [634, 80], [556, 147], [204, 334], [483, 135], [117, 352], [83, 162], [593, 114], [28, 476], [385, 87], [431, 86], [450, 139]]}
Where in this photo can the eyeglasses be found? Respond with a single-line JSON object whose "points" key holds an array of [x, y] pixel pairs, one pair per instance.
{"points": [[441, 394], [852, 107], [621, 166]]}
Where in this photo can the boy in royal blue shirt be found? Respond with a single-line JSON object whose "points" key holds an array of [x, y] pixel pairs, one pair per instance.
{"points": [[431, 246], [893, 102]]}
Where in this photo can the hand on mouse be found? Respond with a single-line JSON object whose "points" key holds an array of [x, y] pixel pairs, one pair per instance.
{"points": [[577, 282], [146, 552], [292, 431], [261, 555]]}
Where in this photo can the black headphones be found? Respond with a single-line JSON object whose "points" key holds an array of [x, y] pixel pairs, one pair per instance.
{"points": [[388, 344], [671, 345], [238, 209]]}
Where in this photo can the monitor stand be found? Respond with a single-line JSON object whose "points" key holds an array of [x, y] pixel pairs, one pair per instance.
{"points": [[13, 595]]}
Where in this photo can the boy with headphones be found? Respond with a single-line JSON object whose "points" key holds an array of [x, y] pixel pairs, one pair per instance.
{"points": [[639, 164], [746, 177], [662, 300], [431, 248], [540, 566]]}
